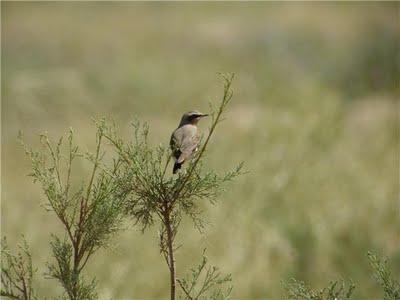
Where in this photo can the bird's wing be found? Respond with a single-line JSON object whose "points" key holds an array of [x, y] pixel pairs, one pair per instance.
{"points": [[184, 142], [175, 143]]}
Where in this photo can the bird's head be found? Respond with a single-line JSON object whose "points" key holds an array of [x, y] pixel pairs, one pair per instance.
{"points": [[192, 117]]}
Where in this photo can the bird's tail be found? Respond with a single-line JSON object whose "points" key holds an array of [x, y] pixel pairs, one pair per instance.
{"points": [[177, 166]]}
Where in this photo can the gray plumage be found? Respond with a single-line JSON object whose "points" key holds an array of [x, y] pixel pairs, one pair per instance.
{"points": [[186, 138]]}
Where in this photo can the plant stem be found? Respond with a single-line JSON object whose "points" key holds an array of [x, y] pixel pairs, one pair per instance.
{"points": [[170, 241]]}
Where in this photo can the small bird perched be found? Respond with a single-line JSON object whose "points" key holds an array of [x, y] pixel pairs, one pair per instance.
{"points": [[186, 138]]}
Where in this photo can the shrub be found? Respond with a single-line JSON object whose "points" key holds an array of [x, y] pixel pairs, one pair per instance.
{"points": [[135, 184], [155, 197], [91, 213]]}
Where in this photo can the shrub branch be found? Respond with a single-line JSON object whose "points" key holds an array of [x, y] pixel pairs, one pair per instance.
{"points": [[90, 214], [17, 272], [153, 196]]}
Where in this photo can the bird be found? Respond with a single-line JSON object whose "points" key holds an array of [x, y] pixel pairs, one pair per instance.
{"points": [[186, 138]]}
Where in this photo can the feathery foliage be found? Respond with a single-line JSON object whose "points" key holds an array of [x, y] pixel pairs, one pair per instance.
{"points": [[298, 290], [17, 272], [382, 274], [206, 282], [90, 213], [154, 196]]}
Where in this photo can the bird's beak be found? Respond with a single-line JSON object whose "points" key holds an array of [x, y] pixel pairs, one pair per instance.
{"points": [[204, 115]]}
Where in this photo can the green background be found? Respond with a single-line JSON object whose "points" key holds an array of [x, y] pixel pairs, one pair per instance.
{"points": [[314, 117]]}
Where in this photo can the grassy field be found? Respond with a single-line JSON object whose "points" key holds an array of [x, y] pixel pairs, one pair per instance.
{"points": [[314, 117]]}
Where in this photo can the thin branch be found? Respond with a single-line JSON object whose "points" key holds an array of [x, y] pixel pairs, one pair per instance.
{"points": [[187, 293], [95, 165]]}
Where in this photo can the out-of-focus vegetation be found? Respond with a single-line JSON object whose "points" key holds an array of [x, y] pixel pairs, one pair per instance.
{"points": [[390, 287], [298, 290], [315, 118], [383, 275]]}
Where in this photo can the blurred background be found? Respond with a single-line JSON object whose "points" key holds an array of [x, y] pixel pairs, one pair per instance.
{"points": [[314, 117]]}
